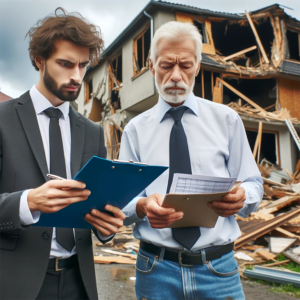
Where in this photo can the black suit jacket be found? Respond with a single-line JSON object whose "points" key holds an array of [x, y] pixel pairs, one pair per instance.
{"points": [[24, 250]]}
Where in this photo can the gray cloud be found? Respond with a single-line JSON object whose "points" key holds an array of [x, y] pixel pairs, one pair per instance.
{"points": [[17, 16]]}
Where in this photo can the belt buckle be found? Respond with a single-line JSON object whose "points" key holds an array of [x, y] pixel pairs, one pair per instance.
{"points": [[56, 264], [180, 259]]}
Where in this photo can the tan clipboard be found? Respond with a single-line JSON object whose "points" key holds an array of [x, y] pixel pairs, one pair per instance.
{"points": [[195, 209]]}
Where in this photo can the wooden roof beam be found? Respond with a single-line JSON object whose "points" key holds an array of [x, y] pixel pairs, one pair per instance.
{"points": [[257, 38], [240, 53]]}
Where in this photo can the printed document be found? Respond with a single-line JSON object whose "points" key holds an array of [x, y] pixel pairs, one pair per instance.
{"points": [[200, 184]]}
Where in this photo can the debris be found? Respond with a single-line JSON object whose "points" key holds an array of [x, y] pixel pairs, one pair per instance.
{"points": [[243, 256], [264, 228], [131, 256], [274, 275], [266, 254], [278, 263], [113, 259]]}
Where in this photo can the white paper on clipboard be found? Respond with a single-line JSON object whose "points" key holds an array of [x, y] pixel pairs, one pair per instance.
{"points": [[200, 184]]}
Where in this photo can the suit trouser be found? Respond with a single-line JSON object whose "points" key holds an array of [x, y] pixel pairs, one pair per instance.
{"points": [[63, 285]]}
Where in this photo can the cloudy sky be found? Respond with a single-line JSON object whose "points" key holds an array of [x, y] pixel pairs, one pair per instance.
{"points": [[17, 16]]}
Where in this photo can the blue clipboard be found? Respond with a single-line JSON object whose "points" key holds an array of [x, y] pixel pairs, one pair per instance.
{"points": [[110, 182]]}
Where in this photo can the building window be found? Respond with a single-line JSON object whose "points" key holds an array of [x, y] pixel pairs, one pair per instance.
{"points": [[141, 47], [269, 145], [88, 87], [204, 26], [116, 68], [293, 40], [115, 80], [201, 28]]}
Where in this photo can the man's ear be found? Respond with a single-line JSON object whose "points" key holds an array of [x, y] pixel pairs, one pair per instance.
{"points": [[151, 66], [198, 69], [40, 62]]}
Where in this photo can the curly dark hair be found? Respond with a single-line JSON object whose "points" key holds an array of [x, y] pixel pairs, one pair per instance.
{"points": [[63, 26]]}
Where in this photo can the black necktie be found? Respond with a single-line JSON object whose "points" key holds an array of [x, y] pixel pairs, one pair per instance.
{"points": [[64, 236], [180, 163]]}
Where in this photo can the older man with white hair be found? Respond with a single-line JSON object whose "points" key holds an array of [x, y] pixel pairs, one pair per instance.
{"points": [[192, 136]]}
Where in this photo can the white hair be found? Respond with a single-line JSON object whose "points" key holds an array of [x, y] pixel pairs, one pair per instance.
{"points": [[175, 31]]}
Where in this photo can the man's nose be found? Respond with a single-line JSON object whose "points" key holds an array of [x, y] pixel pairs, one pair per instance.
{"points": [[176, 74], [76, 75]]}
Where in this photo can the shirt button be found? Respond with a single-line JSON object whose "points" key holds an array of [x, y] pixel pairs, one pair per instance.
{"points": [[45, 235]]}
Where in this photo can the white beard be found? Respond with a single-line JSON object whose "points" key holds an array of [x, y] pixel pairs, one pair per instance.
{"points": [[174, 96]]}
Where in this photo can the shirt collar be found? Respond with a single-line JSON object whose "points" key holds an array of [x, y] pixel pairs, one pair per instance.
{"points": [[41, 103], [163, 106]]}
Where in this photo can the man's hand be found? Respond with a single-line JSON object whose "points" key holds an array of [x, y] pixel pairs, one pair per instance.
{"points": [[158, 216], [106, 223], [55, 195], [230, 204]]}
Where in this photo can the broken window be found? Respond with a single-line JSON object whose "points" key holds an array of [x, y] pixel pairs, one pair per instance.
{"points": [[142, 51], [201, 27], [269, 145], [293, 41], [116, 67], [227, 33], [204, 84], [261, 91], [115, 80], [88, 87]]}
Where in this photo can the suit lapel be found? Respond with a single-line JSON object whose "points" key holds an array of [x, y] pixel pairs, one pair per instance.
{"points": [[77, 140], [30, 125]]}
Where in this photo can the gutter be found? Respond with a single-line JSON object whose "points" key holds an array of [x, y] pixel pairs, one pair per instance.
{"points": [[152, 34]]}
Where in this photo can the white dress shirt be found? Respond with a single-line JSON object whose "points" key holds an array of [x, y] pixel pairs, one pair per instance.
{"points": [[40, 103], [218, 146]]}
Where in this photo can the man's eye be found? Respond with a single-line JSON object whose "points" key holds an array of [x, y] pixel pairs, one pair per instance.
{"points": [[83, 65], [166, 67], [64, 64]]}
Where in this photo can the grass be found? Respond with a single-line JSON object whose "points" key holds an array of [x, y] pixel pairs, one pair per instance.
{"points": [[281, 288]]}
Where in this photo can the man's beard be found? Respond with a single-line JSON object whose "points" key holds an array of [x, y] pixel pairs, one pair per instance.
{"points": [[174, 96], [59, 92]]}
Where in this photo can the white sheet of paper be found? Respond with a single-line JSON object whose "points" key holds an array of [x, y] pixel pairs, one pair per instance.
{"points": [[200, 184]]}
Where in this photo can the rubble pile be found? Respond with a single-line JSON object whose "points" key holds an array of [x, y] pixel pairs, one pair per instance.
{"points": [[275, 228]]}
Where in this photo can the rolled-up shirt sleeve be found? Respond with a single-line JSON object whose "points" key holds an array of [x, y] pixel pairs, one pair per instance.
{"points": [[129, 151], [242, 165]]}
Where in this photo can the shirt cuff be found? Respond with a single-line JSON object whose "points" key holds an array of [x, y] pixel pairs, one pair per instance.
{"points": [[103, 237], [26, 216], [251, 204], [130, 212]]}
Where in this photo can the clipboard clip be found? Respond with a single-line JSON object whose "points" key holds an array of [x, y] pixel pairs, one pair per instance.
{"points": [[130, 161]]}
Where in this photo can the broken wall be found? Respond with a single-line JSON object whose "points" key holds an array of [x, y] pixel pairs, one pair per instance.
{"points": [[289, 95]]}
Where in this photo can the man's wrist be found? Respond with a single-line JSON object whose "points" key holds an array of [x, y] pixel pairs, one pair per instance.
{"points": [[140, 208], [31, 204]]}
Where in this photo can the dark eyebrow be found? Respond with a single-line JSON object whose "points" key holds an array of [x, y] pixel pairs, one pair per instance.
{"points": [[65, 60], [70, 62]]}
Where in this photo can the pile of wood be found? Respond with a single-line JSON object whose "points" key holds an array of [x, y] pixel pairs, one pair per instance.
{"points": [[122, 249], [275, 227]]}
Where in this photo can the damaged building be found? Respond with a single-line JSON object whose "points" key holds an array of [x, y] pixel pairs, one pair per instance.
{"points": [[251, 62]]}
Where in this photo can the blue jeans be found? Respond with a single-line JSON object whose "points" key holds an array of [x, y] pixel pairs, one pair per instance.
{"points": [[158, 279]]}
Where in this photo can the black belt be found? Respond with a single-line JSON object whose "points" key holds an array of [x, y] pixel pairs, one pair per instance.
{"points": [[187, 258], [58, 264]]}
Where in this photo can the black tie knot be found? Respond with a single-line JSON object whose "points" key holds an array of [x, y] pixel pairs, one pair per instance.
{"points": [[177, 112], [52, 112]]}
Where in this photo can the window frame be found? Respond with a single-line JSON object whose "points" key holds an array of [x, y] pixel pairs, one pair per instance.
{"points": [[143, 68], [277, 140]]}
